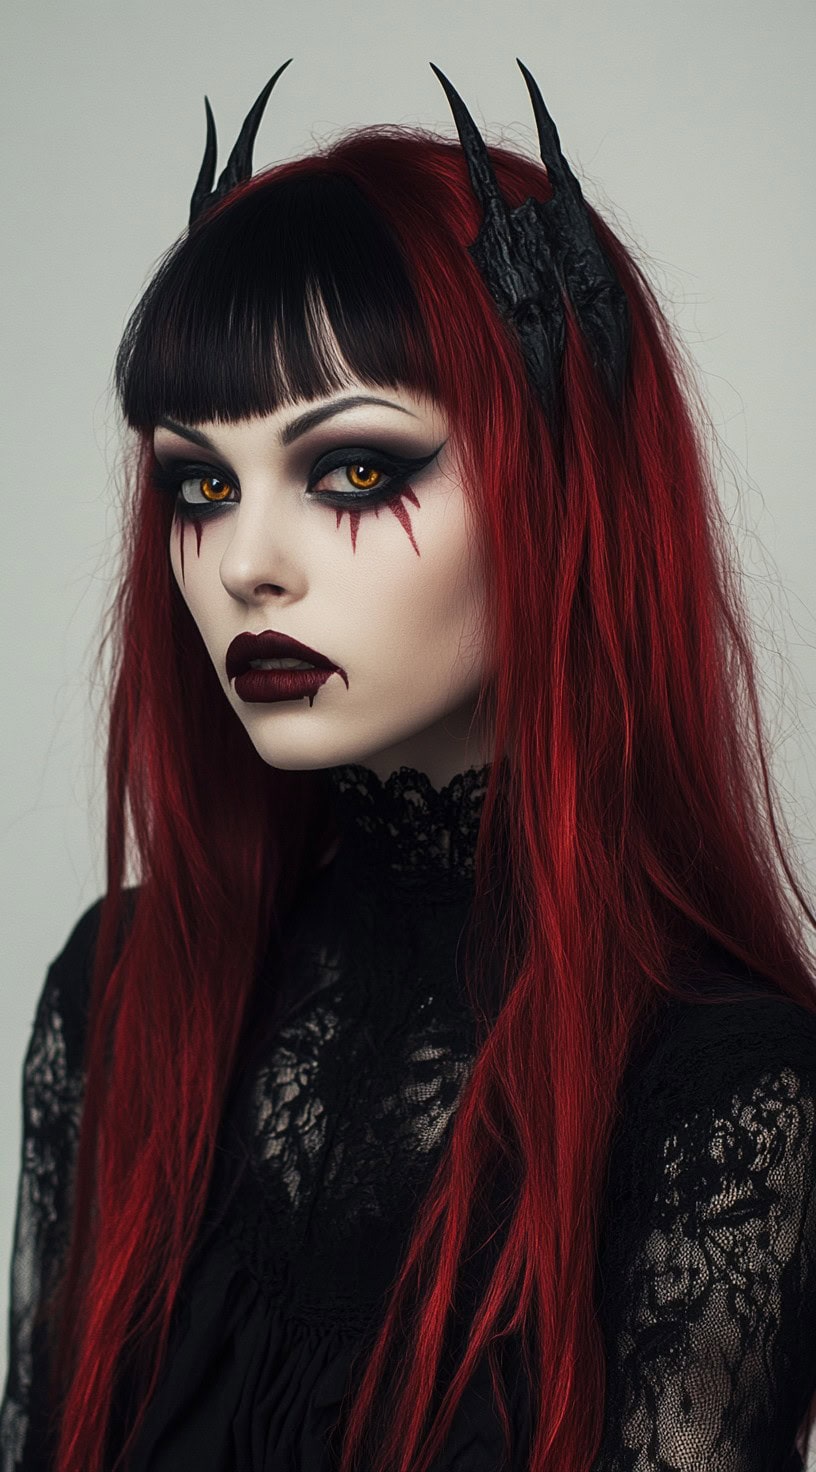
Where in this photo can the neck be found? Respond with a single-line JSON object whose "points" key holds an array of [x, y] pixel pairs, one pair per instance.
{"points": [[440, 752], [404, 831]]}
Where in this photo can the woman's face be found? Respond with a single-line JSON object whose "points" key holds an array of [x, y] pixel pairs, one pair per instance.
{"points": [[390, 593]]}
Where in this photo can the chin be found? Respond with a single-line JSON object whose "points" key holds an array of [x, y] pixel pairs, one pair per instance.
{"points": [[312, 756]]}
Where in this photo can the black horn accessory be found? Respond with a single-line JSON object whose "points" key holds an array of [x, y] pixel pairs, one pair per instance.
{"points": [[530, 255], [239, 164]]}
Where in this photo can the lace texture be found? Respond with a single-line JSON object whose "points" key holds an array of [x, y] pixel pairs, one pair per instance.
{"points": [[415, 835], [52, 1104], [343, 1122], [706, 1280]]}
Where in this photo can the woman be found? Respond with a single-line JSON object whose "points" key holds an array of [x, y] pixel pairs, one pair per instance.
{"points": [[442, 1095]]}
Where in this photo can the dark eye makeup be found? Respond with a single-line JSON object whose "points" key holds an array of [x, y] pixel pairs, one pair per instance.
{"points": [[374, 477]]}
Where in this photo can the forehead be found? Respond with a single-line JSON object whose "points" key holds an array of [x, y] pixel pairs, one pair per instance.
{"points": [[288, 423]]}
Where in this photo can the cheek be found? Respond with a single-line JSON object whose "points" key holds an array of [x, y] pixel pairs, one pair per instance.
{"points": [[186, 552], [175, 557], [454, 580], [181, 548], [192, 573], [431, 607]]}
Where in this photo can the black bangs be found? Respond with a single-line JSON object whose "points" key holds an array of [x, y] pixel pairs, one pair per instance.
{"points": [[250, 309]]}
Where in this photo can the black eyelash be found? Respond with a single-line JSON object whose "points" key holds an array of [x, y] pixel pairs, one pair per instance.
{"points": [[398, 468], [169, 477]]}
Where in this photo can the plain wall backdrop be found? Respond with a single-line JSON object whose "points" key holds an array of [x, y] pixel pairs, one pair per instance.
{"points": [[690, 125]]}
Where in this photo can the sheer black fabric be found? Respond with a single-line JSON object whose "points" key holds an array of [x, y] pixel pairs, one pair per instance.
{"points": [[706, 1279]]}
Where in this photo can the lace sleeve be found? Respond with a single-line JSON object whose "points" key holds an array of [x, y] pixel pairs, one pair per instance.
{"points": [[708, 1253], [52, 1083]]}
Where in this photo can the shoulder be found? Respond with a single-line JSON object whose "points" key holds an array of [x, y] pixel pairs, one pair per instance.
{"points": [[60, 1020], [725, 1022], [701, 1056], [718, 1080], [707, 1252], [705, 1048], [716, 1129]]}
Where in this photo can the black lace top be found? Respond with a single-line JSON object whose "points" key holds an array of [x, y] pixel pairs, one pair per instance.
{"points": [[706, 1281]]}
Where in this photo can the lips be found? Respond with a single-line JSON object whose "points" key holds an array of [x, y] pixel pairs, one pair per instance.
{"points": [[271, 686], [270, 645]]}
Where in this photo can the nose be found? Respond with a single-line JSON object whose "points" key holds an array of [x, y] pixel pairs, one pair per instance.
{"points": [[262, 558]]}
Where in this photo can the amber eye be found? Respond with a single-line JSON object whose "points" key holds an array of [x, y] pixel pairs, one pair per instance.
{"points": [[364, 477], [215, 489]]}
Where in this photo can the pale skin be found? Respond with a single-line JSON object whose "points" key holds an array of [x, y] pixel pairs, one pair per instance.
{"points": [[394, 596]]}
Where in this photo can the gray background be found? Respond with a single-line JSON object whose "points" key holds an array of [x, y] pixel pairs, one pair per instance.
{"points": [[689, 124]]}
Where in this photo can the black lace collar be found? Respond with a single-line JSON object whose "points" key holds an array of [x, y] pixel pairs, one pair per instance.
{"points": [[407, 831]]}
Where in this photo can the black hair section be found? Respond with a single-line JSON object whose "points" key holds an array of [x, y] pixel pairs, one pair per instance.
{"points": [[250, 309]]}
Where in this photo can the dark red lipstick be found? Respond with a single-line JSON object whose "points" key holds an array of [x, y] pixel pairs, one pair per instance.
{"points": [[256, 685]]}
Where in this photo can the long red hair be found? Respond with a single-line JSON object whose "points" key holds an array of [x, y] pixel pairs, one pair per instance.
{"points": [[642, 813]]}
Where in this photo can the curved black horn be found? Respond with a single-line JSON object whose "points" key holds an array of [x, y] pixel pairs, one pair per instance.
{"points": [[482, 178], [239, 164], [204, 182]]}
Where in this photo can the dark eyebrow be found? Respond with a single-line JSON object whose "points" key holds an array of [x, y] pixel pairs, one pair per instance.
{"points": [[188, 434], [296, 427], [304, 422]]}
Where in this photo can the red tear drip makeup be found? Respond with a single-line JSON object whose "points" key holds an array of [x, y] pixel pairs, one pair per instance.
{"points": [[395, 506], [181, 526]]}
